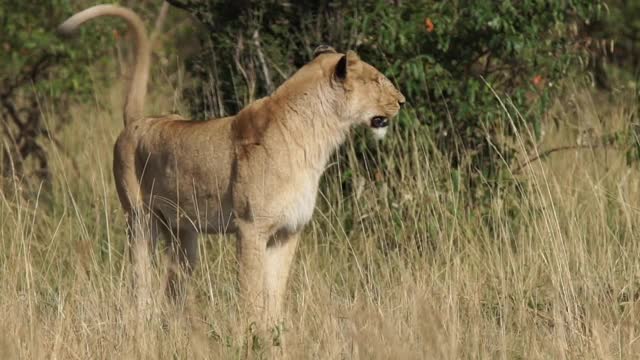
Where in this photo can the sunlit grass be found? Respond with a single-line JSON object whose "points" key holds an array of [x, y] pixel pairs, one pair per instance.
{"points": [[399, 266]]}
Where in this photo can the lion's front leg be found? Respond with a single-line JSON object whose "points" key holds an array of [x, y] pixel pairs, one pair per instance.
{"points": [[280, 251], [251, 248]]}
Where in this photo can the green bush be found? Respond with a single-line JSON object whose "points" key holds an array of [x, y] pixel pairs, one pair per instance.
{"points": [[35, 52], [32, 55], [617, 35], [454, 59], [451, 59]]}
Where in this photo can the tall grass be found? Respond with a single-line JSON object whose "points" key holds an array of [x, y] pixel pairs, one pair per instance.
{"points": [[399, 267]]}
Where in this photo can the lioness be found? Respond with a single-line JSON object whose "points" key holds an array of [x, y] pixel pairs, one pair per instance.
{"points": [[254, 174]]}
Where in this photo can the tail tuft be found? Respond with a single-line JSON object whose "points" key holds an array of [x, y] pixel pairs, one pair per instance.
{"points": [[65, 30]]}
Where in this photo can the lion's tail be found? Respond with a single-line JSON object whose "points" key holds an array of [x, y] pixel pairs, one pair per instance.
{"points": [[134, 103]]}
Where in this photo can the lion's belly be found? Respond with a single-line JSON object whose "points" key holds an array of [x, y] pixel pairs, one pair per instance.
{"points": [[191, 196], [204, 214]]}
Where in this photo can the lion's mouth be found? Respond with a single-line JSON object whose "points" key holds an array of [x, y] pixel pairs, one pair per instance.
{"points": [[379, 126], [378, 122]]}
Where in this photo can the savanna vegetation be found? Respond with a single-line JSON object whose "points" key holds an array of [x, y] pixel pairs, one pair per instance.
{"points": [[497, 220]]}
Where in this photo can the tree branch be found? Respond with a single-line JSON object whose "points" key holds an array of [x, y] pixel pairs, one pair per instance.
{"points": [[263, 62], [186, 6], [157, 28], [546, 153]]}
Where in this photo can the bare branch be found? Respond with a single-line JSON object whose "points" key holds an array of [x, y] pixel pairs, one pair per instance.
{"points": [[263, 63], [157, 28], [546, 153], [187, 6]]}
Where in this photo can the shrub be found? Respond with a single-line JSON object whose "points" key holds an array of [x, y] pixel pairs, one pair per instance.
{"points": [[31, 53], [451, 59]]}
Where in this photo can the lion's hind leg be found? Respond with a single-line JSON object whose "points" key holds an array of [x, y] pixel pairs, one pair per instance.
{"points": [[184, 258], [143, 232], [142, 227]]}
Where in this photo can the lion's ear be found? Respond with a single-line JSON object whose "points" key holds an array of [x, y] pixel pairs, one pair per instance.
{"points": [[323, 49], [347, 63]]}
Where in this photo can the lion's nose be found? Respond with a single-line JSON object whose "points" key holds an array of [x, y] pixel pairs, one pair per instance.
{"points": [[401, 99]]}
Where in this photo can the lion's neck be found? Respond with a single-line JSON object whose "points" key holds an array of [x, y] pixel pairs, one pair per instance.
{"points": [[309, 121]]}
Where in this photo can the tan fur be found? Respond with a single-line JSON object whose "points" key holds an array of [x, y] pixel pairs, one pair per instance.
{"points": [[254, 174]]}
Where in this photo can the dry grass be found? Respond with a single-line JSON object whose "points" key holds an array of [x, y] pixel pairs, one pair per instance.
{"points": [[399, 269]]}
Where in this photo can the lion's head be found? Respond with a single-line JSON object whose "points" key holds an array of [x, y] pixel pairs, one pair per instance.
{"points": [[368, 96]]}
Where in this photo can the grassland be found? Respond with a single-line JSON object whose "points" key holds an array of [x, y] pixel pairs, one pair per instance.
{"points": [[400, 267]]}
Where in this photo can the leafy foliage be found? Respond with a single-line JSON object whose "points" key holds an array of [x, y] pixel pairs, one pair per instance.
{"points": [[451, 60], [621, 27], [32, 52], [29, 39], [464, 56]]}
